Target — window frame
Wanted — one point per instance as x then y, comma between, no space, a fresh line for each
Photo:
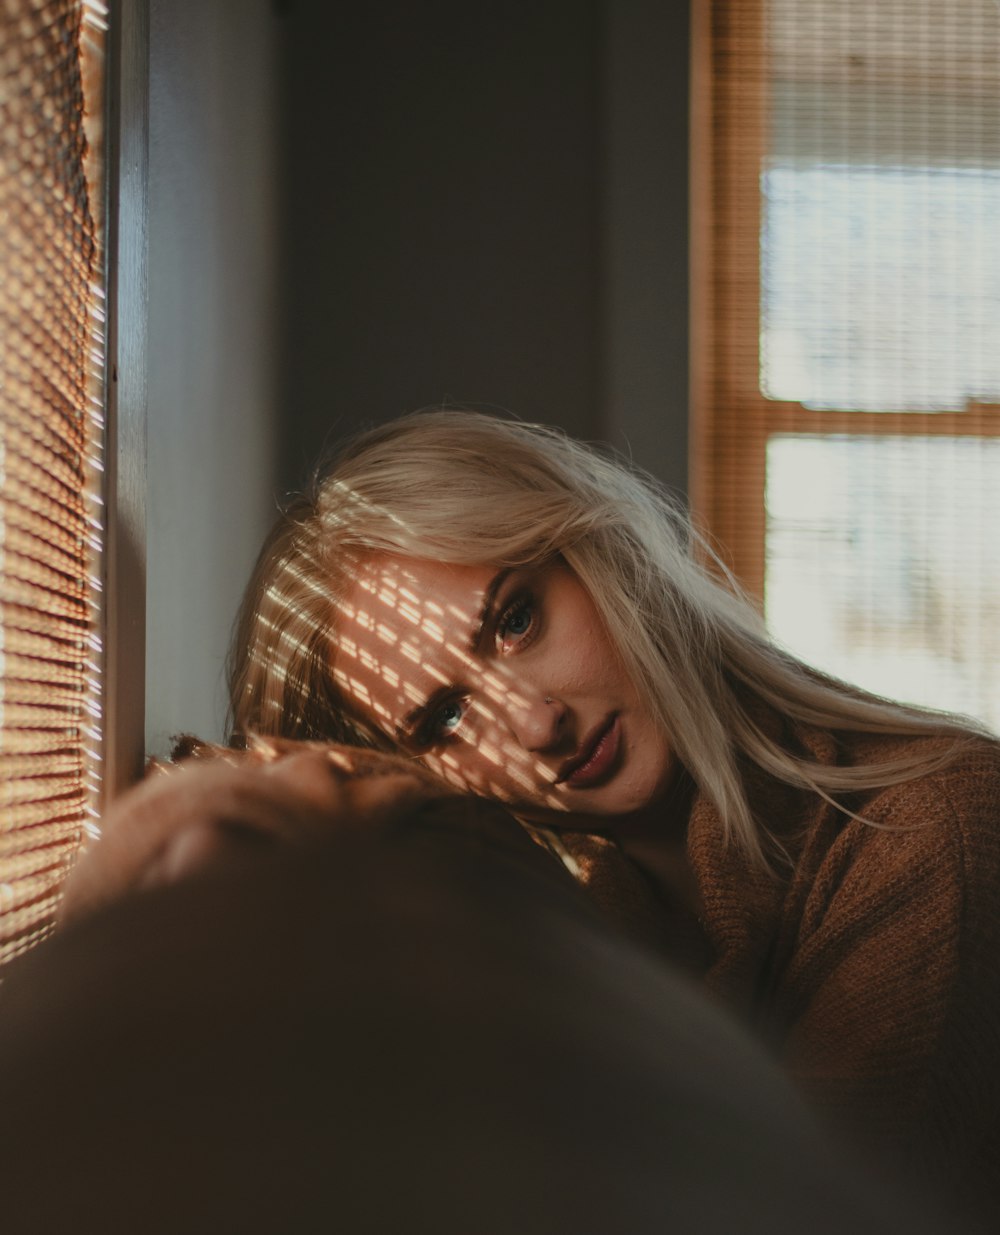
731,420
124,574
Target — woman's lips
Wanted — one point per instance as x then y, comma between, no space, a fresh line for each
596,758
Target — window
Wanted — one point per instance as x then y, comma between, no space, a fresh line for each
847,389
52,351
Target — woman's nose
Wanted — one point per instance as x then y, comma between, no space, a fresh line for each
537,722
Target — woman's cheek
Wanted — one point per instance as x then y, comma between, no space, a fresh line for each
467,768
447,766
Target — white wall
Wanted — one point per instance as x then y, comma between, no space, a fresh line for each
489,205
212,332
644,185
360,194
442,164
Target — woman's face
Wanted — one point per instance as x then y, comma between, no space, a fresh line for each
505,683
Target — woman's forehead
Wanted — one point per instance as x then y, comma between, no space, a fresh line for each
413,607
418,587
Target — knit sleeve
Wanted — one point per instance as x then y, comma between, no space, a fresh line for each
890,1002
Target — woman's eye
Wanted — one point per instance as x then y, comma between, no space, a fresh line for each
447,718
517,622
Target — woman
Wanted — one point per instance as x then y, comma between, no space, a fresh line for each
534,622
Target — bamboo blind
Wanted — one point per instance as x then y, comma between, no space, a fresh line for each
51,441
846,426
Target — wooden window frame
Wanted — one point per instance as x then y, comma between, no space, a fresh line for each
124,610
731,420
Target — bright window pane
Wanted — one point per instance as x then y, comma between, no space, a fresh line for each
881,287
880,249
883,563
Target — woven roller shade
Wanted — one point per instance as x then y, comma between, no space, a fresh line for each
847,419
51,440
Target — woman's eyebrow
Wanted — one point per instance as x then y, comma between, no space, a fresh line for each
489,599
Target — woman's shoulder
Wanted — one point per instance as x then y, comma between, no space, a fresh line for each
937,832
902,884
883,747
888,993
952,776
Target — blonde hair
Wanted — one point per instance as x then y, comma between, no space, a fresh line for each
469,488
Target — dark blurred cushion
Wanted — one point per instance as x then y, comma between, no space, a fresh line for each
426,1030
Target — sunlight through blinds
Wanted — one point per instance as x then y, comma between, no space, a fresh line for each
849,410
51,441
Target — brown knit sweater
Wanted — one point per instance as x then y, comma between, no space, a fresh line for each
871,967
